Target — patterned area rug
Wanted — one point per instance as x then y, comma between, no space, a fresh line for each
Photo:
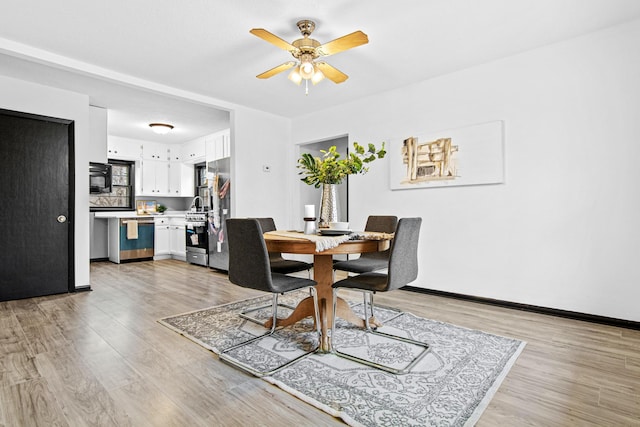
450,386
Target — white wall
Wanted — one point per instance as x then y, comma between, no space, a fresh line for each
259,139
563,231
32,98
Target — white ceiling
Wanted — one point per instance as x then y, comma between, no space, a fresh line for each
201,51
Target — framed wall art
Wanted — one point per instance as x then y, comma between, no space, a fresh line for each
471,155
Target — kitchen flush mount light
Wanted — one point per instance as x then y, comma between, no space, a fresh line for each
160,128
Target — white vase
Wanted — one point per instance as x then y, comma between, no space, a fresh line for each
328,205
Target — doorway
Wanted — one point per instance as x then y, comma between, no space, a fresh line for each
309,195
36,164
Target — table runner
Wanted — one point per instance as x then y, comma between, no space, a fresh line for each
327,242
322,242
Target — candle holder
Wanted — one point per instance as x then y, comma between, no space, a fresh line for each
310,225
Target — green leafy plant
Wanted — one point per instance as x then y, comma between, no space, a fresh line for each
161,208
330,168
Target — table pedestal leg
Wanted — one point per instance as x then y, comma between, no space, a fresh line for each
302,310
323,275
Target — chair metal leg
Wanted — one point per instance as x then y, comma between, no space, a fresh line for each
244,314
316,311
274,306
368,329
366,315
398,313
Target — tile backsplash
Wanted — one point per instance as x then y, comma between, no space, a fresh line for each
120,197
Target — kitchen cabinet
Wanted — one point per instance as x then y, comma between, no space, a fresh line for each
97,134
194,151
123,148
177,239
218,145
154,178
181,181
170,238
162,242
155,151
175,153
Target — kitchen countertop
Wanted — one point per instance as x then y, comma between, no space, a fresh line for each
133,214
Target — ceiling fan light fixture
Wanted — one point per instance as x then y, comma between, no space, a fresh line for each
295,76
306,67
318,76
160,128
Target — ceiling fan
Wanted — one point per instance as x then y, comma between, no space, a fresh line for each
306,51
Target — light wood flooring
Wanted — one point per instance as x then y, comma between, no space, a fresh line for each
100,358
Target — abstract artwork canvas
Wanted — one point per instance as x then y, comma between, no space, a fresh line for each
470,155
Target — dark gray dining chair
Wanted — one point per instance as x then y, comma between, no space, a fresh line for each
402,269
249,267
278,263
371,261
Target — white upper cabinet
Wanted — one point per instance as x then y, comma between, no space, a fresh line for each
175,153
155,167
97,134
123,148
154,178
194,151
181,179
218,145
155,151
164,173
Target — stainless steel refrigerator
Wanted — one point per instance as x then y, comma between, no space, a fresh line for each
218,178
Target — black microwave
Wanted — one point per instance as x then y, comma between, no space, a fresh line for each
99,178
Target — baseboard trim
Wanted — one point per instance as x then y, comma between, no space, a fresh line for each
603,320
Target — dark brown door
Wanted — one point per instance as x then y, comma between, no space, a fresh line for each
36,205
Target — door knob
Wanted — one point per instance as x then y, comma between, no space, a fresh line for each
61,219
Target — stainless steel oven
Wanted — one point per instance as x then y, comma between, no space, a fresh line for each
196,238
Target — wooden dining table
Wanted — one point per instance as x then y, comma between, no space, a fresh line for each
323,275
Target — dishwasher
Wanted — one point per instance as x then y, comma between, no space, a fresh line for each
136,238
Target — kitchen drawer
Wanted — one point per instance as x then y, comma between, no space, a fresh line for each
197,258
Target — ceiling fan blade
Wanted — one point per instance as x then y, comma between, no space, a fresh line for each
332,73
280,68
343,43
273,39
